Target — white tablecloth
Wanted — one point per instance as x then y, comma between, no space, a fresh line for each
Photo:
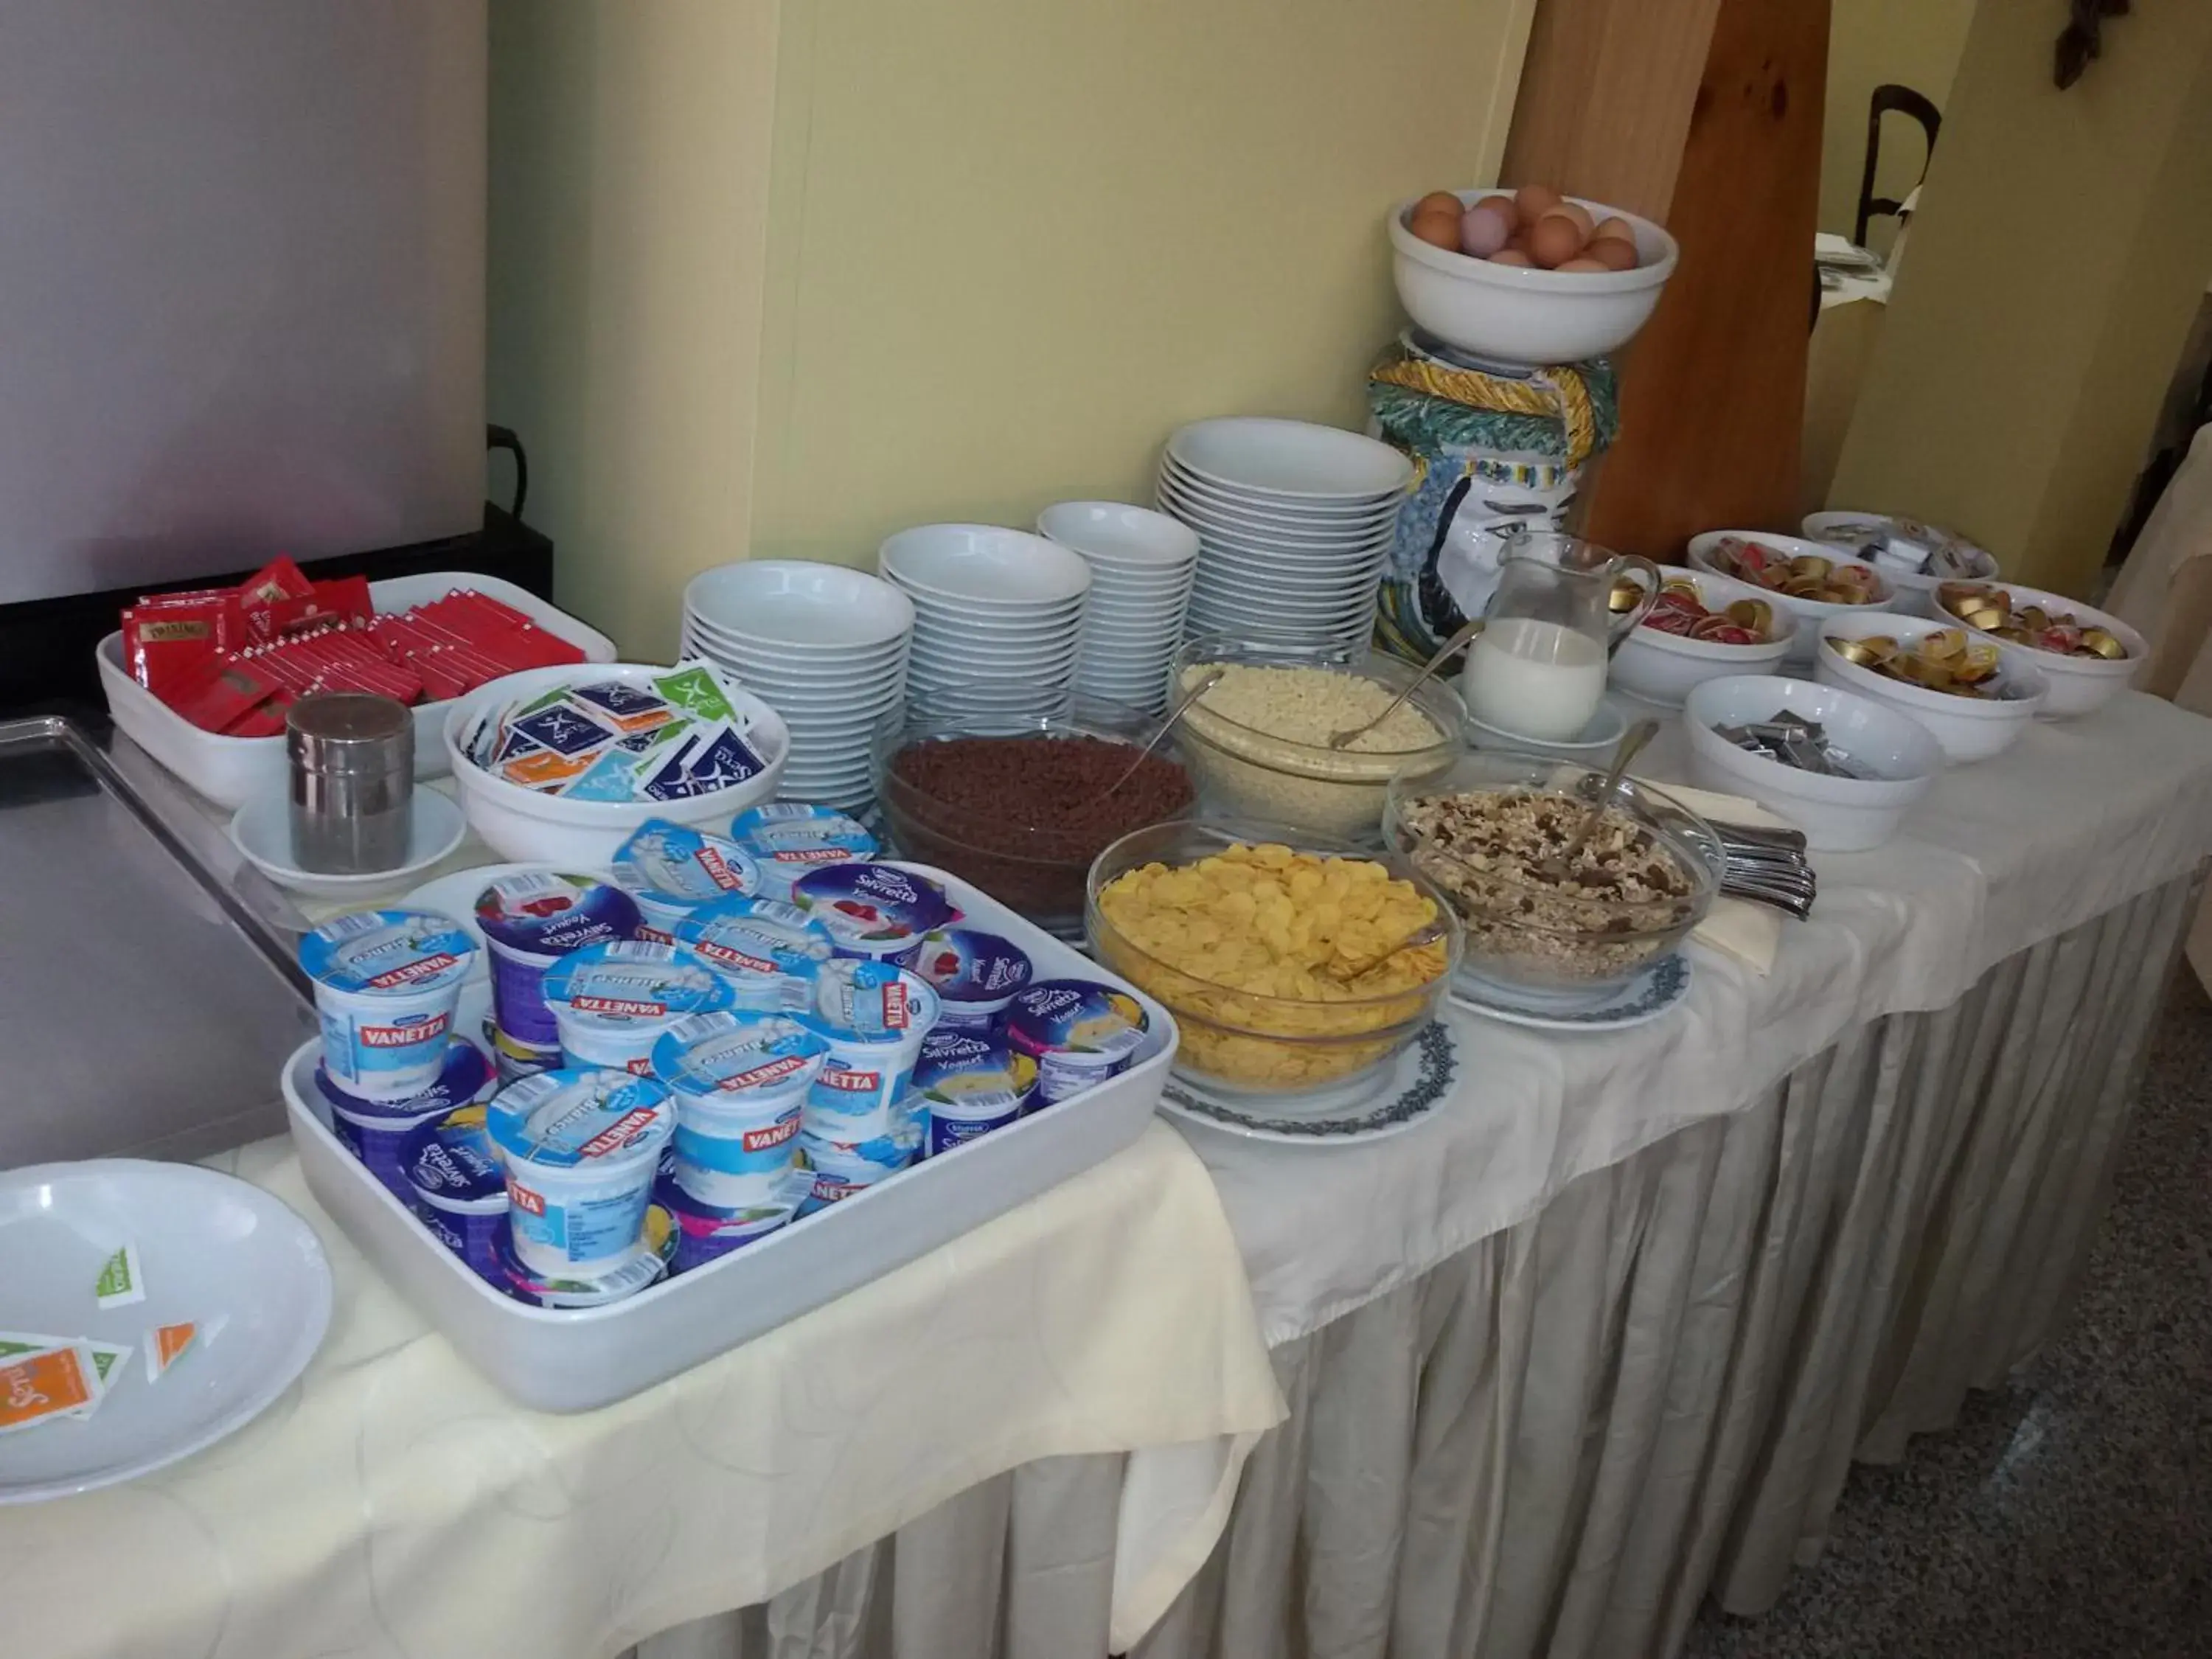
2077,818
393,1504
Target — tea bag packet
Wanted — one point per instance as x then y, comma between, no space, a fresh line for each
675,736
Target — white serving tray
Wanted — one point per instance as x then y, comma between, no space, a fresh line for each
231,770
576,1359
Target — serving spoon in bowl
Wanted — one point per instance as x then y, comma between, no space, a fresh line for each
1450,649
1558,866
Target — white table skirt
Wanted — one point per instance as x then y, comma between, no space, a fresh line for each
1557,1441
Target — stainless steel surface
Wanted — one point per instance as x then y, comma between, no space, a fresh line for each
241,286
145,1007
352,758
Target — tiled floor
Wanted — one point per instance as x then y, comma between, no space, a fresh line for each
2071,1514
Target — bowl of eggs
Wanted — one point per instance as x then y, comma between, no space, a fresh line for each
1527,278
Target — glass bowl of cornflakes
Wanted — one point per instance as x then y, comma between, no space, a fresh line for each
1297,967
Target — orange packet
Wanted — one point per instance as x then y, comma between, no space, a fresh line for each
165,1346
41,1385
536,771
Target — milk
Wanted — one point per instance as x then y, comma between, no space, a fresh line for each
1536,678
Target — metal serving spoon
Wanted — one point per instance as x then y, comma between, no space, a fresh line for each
1451,648
1197,688
1556,868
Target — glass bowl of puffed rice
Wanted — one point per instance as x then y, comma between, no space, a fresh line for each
1257,741
1297,967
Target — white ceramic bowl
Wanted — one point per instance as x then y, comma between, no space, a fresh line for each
1191,506
521,823
262,830
1296,461
1111,535
996,570
800,658
1664,668
799,603
1838,815
1519,314
1810,613
1916,594
1969,729
2079,685
1319,560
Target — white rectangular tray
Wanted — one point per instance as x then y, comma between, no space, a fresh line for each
230,770
575,1359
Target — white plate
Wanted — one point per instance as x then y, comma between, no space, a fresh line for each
262,830
1418,1082
1289,457
1647,997
213,1252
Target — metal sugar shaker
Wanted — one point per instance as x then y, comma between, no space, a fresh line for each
352,759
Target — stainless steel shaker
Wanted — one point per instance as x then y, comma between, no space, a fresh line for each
353,782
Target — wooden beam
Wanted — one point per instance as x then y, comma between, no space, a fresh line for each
1606,89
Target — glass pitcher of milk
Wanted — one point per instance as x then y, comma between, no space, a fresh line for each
1538,666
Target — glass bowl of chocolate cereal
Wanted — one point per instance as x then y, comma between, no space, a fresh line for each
1492,831
1017,789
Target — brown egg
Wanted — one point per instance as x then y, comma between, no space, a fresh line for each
1484,230
1440,228
1614,229
1554,240
1576,211
1502,201
1437,200
1510,256
1612,252
1534,200
1583,262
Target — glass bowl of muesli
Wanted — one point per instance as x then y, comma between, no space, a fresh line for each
1490,831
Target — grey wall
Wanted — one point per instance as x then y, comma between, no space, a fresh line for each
241,283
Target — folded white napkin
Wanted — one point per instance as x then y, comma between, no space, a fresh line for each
1750,933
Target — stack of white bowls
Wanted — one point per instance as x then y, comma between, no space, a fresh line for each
989,605
1294,523
823,646
1141,565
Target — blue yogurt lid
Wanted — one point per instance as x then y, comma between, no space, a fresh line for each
678,864
551,914
875,908
387,952
619,984
465,1074
722,1056
568,1118
857,999
964,964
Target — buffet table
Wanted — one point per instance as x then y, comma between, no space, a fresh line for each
1607,1331
1603,1331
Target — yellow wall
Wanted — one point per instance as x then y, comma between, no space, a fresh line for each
2023,359
630,176
1915,43
1013,244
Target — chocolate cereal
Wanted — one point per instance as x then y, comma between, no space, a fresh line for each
1022,817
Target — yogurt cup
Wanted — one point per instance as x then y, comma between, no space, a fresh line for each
517,1060
1079,1033
671,869
974,973
459,1187
768,950
581,1148
646,1264
703,1233
612,1001
533,919
787,839
873,1016
873,910
740,1084
969,1084
387,984
377,1132
840,1171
